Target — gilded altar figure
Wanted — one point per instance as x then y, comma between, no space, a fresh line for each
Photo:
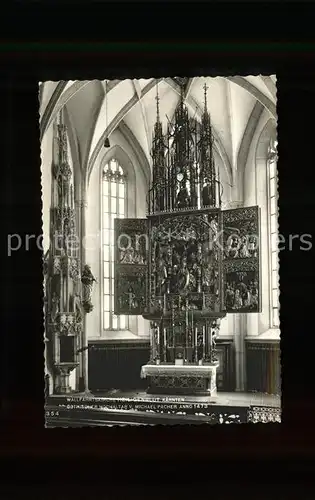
232,247
244,293
253,299
54,307
64,175
77,307
159,197
138,258
161,276
214,333
87,280
206,279
206,193
183,277
238,302
87,276
183,198
169,255
214,281
176,258
174,279
252,246
127,255
243,251
130,299
156,341
199,255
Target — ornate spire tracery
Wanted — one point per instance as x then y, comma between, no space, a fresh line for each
185,156
64,315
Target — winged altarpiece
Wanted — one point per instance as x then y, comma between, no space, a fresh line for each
188,263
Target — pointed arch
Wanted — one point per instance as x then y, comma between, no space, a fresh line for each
116,151
60,97
137,149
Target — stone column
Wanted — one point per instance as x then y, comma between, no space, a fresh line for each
239,340
78,225
64,373
243,326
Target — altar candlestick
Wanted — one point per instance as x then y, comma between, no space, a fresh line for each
164,335
151,344
186,324
196,344
67,291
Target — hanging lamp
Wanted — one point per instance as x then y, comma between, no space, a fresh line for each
106,142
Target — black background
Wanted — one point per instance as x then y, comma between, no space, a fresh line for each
276,40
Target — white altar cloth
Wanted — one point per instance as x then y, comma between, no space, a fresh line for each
205,371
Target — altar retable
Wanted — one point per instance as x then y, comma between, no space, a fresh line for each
191,262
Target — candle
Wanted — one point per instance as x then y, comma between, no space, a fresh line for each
196,344
164,347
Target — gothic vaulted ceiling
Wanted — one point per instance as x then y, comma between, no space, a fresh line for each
235,105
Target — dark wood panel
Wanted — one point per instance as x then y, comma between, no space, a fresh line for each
67,349
117,366
263,366
226,370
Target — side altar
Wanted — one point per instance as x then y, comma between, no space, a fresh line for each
188,263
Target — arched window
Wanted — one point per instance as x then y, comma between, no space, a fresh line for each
273,221
114,205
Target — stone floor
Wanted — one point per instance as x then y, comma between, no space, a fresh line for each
222,398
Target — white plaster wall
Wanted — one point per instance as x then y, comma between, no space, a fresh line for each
93,244
137,191
229,198
256,193
47,158
46,166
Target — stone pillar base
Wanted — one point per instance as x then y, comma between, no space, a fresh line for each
62,385
65,389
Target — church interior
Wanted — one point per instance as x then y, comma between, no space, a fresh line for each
155,288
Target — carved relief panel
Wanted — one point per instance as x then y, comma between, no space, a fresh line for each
185,260
131,265
241,260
